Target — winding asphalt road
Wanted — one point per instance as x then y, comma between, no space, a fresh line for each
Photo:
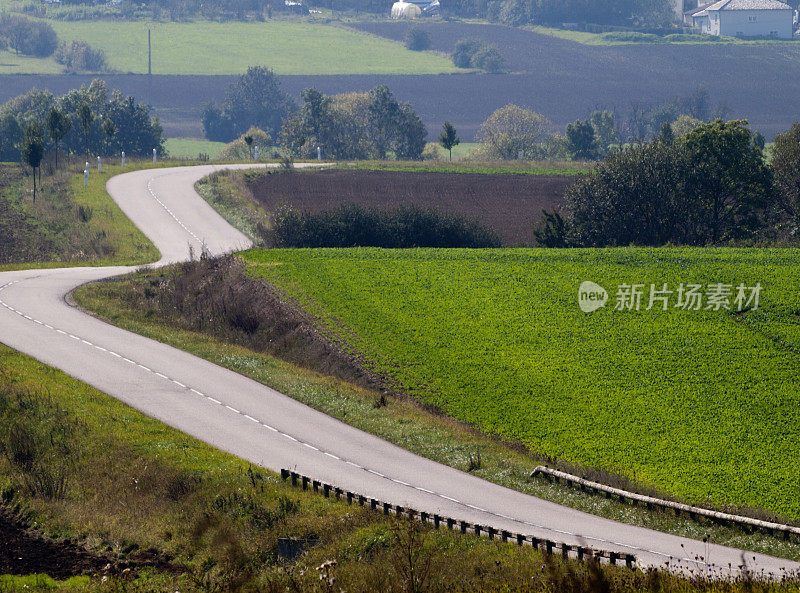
267,428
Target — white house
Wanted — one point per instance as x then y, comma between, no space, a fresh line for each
746,18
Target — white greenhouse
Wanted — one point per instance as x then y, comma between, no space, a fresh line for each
405,10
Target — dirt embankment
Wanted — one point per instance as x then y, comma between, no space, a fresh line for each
508,204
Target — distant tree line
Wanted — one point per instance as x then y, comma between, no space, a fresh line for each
88,120
648,13
711,185
372,125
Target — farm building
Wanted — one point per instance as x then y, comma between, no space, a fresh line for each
746,18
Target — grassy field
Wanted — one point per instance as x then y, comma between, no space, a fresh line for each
150,303
138,491
68,225
11,63
190,148
230,48
701,404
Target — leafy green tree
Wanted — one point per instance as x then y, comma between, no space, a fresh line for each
786,164
684,124
759,141
59,126
418,39
604,124
109,129
512,131
449,138
10,138
729,183
634,197
516,12
665,134
488,59
33,150
582,141
255,99
464,50
86,118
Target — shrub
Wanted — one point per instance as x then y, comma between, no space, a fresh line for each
79,56
431,152
354,226
418,39
464,50
240,149
488,59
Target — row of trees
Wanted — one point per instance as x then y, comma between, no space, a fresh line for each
648,13
348,126
709,186
88,120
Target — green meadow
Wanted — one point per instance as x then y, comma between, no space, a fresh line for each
703,404
288,47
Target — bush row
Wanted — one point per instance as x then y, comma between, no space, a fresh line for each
402,227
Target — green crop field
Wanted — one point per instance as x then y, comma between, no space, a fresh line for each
703,404
287,47
189,148
11,63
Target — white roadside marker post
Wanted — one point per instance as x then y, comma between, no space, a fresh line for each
319,153
155,156
123,158
255,154
99,165
86,177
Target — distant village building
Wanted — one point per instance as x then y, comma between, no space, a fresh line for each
746,18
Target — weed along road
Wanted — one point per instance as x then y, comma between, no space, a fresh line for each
267,428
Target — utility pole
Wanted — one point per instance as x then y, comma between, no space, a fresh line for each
149,70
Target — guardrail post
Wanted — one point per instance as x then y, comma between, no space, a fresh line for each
504,535
520,539
492,532
284,474
349,497
565,548
423,517
304,481
386,508
294,478
630,560
436,519
338,492
464,526
477,528
398,511
361,500
451,523
548,546
315,485
613,557
580,551
373,504
326,490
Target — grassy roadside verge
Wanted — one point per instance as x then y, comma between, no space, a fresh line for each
191,518
399,421
75,225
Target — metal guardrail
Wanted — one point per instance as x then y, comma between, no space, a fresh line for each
546,545
650,502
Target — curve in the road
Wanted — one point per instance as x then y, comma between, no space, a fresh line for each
256,423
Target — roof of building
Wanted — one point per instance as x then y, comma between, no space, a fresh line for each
745,5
